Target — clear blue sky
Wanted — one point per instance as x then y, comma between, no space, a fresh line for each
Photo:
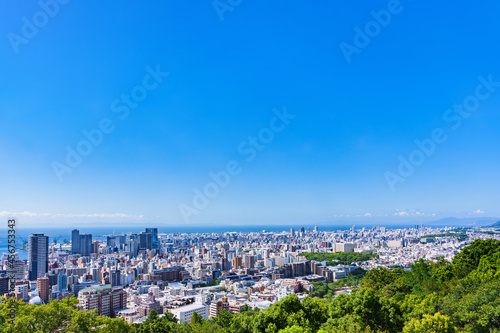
329,163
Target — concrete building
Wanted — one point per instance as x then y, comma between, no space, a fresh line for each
22,290
237,262
184,313
343,247
147,305
145,241
85,244
42,284
249,261
62,282
38,256
105,299
217,306
154,237
75,241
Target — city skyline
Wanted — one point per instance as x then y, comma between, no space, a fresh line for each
189,115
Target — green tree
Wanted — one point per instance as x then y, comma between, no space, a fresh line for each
196,319
437,323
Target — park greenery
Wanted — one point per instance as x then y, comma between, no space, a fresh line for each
327,290
339,258
460,235
439,297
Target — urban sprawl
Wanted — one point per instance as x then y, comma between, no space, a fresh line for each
129,275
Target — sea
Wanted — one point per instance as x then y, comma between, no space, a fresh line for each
99,233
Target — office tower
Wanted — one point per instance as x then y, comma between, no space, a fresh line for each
75,241
42,284
95,273
302,230
111,241
237,262
52,279
85,245
62,281
154,237
316,229
114,277
38,260
95,247
249,261
145,239
132,245
4,284
120,239
292,232
224,264
230,255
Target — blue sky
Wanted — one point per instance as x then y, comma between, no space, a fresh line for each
353,116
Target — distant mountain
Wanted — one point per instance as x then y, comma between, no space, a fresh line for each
463,222
496,225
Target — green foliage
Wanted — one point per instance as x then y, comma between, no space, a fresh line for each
339,258
460,235
435,324
57,315
196,319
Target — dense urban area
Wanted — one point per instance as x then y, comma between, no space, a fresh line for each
416,279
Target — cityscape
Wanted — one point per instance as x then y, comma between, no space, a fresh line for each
230,166
129,275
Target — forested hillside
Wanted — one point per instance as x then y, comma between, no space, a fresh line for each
463,296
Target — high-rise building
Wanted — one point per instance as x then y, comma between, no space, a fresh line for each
154,237
85,245
95,247
114,277
302,230
75,241
62,281
111,241
132,245
249,261
292,232
237,262
38,256
4,284
146,240
42,284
